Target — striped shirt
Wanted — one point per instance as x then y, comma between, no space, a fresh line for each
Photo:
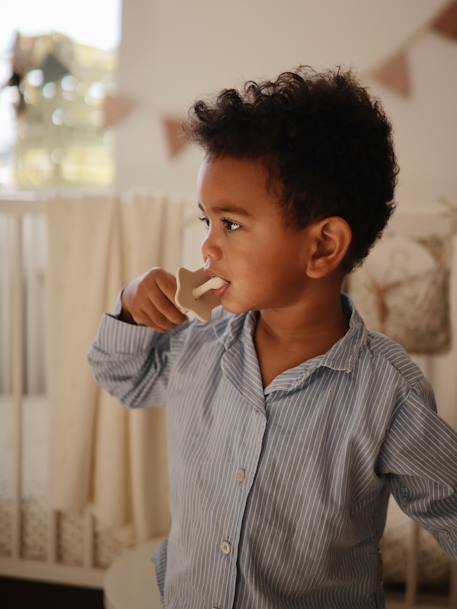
279,494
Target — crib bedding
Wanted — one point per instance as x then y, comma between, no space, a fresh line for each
433,564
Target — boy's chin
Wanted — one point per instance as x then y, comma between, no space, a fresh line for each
237,309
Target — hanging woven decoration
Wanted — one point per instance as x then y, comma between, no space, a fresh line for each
402,288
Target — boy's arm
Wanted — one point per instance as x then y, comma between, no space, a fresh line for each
419,459
132,361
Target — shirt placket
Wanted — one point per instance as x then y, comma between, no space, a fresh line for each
241,370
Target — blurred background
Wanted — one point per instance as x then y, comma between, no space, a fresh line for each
97,183
91,90
56,68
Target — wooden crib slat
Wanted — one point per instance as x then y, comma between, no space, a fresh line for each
17,384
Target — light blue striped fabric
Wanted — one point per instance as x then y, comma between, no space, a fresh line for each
279,495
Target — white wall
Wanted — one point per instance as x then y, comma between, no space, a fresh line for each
175,51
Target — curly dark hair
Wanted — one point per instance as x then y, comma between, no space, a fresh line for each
326,145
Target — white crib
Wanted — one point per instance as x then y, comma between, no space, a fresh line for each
37,542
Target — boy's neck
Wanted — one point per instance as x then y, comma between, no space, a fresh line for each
313,326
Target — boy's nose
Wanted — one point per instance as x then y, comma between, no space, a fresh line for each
210,248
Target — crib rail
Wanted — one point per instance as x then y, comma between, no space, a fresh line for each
17,207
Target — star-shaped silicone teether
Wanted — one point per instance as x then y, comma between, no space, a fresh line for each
194,292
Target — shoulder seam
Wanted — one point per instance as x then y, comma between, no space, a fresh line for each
409,384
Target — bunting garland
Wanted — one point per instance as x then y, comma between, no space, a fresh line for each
175,136
115,109
394,72
446,22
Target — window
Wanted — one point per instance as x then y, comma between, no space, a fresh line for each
57,66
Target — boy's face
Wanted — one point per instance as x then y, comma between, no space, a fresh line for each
262,258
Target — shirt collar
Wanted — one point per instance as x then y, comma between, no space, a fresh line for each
341,356
344,354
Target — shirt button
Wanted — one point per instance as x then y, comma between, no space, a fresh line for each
226,547
240,475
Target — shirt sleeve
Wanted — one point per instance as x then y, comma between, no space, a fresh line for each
132,363
419,460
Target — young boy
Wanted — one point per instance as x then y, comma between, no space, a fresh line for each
289,423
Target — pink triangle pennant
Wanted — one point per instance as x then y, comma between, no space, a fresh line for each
115,109
176,138
446,21
394,74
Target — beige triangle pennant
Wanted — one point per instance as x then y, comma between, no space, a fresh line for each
446,21
176,138
394,74
115,109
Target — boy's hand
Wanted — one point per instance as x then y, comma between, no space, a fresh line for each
149,300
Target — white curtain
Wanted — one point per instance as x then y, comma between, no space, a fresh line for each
34,295
103,456
5,304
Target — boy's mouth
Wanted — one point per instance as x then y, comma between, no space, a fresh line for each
213,274
219,291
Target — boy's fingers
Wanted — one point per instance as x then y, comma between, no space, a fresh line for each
167,283
168,309
155,320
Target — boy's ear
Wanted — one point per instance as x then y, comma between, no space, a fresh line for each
329,242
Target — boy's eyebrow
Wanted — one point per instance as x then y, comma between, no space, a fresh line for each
228,209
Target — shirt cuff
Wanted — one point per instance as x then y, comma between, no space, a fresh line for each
117,309
114,335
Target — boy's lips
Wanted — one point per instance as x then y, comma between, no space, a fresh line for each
219,291
213,274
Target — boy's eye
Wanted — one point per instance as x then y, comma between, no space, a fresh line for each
229,224
204,219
